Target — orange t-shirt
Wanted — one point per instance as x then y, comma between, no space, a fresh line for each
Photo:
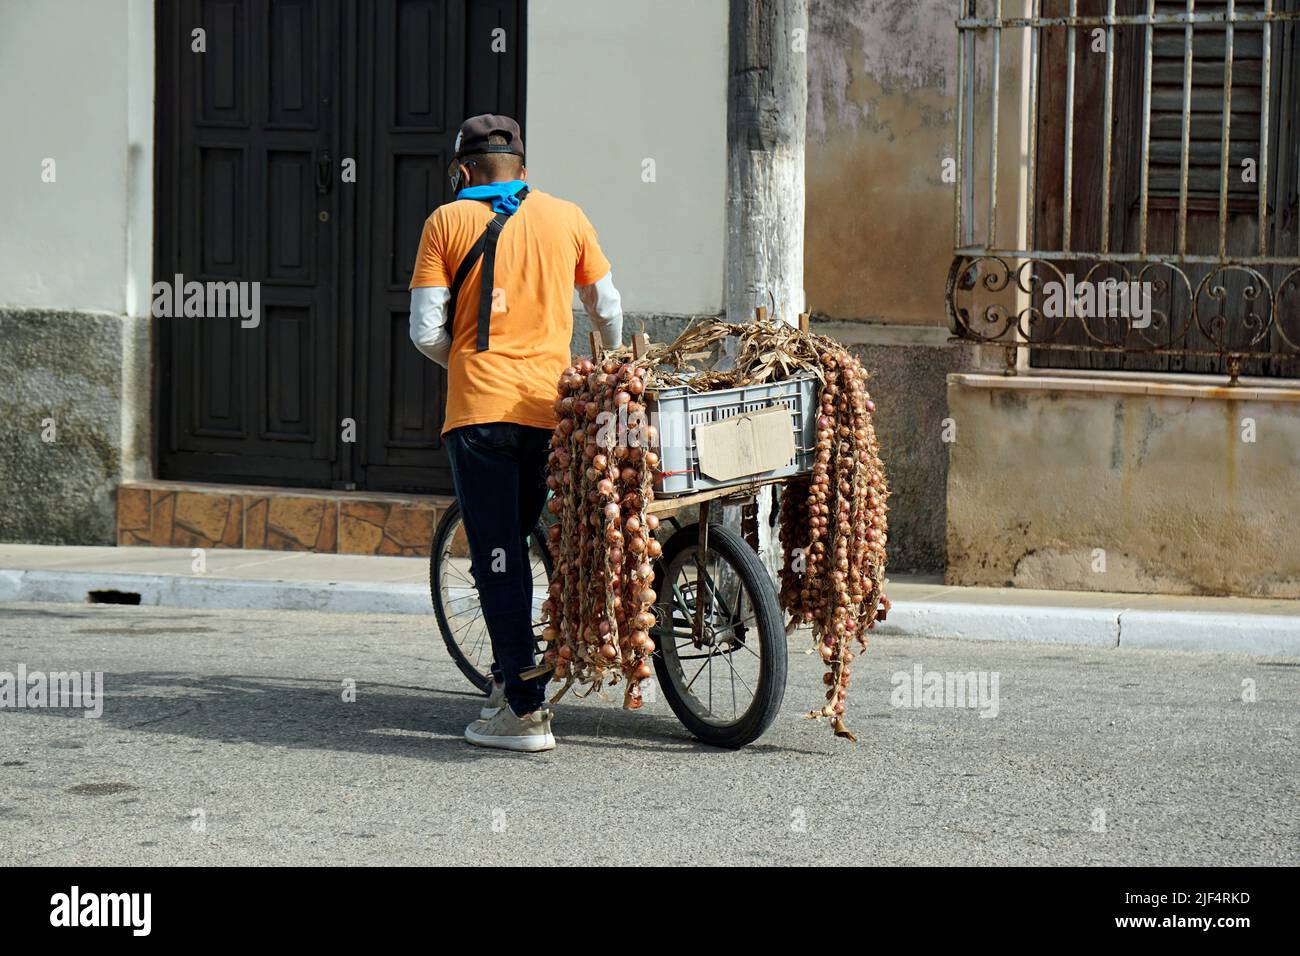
546,248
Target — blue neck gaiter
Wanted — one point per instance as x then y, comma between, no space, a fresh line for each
503,196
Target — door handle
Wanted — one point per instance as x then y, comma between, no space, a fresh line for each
324,172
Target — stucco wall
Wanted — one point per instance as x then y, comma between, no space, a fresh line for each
1110,490
61,454
74,261
882,118
78,81
881,100
605,93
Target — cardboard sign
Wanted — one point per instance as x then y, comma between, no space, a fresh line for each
747,444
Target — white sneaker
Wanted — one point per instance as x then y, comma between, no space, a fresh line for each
496,700
504,731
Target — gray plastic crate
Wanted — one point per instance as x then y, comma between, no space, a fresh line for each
676,411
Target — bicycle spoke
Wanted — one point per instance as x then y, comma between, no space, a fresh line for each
727,658
709,588
740,606
447,566
715,594
710,662
477,615
460,606
679,599
463,624
463,627
691,683
478,644
735,674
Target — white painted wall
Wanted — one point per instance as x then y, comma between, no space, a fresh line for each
611,84
77,77
608,87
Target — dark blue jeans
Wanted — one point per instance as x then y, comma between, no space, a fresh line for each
499,471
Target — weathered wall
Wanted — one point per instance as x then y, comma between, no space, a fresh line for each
611,86
907,385
878,233
1044,481
74,261
882,98
60,413
881,101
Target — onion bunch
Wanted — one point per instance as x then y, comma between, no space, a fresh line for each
599,610
834,531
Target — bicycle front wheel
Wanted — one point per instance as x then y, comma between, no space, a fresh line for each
722,665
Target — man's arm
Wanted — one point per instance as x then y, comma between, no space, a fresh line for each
605,309
430,293
430,330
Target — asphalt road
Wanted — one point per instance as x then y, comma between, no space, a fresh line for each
224,739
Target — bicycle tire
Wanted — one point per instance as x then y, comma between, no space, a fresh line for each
447,525
745,563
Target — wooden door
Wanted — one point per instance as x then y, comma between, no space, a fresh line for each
431,64
302,148
245,194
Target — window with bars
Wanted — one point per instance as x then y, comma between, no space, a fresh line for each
1206,108
1162,150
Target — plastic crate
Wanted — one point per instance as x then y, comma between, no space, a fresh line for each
676,411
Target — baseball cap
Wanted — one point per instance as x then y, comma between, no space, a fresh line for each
474,133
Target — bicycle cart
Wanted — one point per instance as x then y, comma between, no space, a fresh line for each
720,655
720,644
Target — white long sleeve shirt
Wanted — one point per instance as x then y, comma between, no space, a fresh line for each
431,326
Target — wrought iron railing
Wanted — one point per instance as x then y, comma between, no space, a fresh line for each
1209,233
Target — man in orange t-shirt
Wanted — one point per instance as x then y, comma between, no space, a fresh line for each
491,301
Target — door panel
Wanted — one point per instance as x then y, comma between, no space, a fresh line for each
251,134
243,403
418,100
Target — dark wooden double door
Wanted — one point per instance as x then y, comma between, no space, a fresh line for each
302,149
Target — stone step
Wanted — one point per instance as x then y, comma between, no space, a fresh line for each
179,514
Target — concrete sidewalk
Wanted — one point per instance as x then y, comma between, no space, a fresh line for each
256,580
923,607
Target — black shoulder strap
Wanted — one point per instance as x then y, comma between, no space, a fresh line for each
486,249
475,253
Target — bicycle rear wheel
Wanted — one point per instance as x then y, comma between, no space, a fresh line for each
455,598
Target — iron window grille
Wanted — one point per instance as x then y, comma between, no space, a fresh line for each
1165,156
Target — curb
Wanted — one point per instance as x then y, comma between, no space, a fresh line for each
1250,634
1091,627
1260,634
210,593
